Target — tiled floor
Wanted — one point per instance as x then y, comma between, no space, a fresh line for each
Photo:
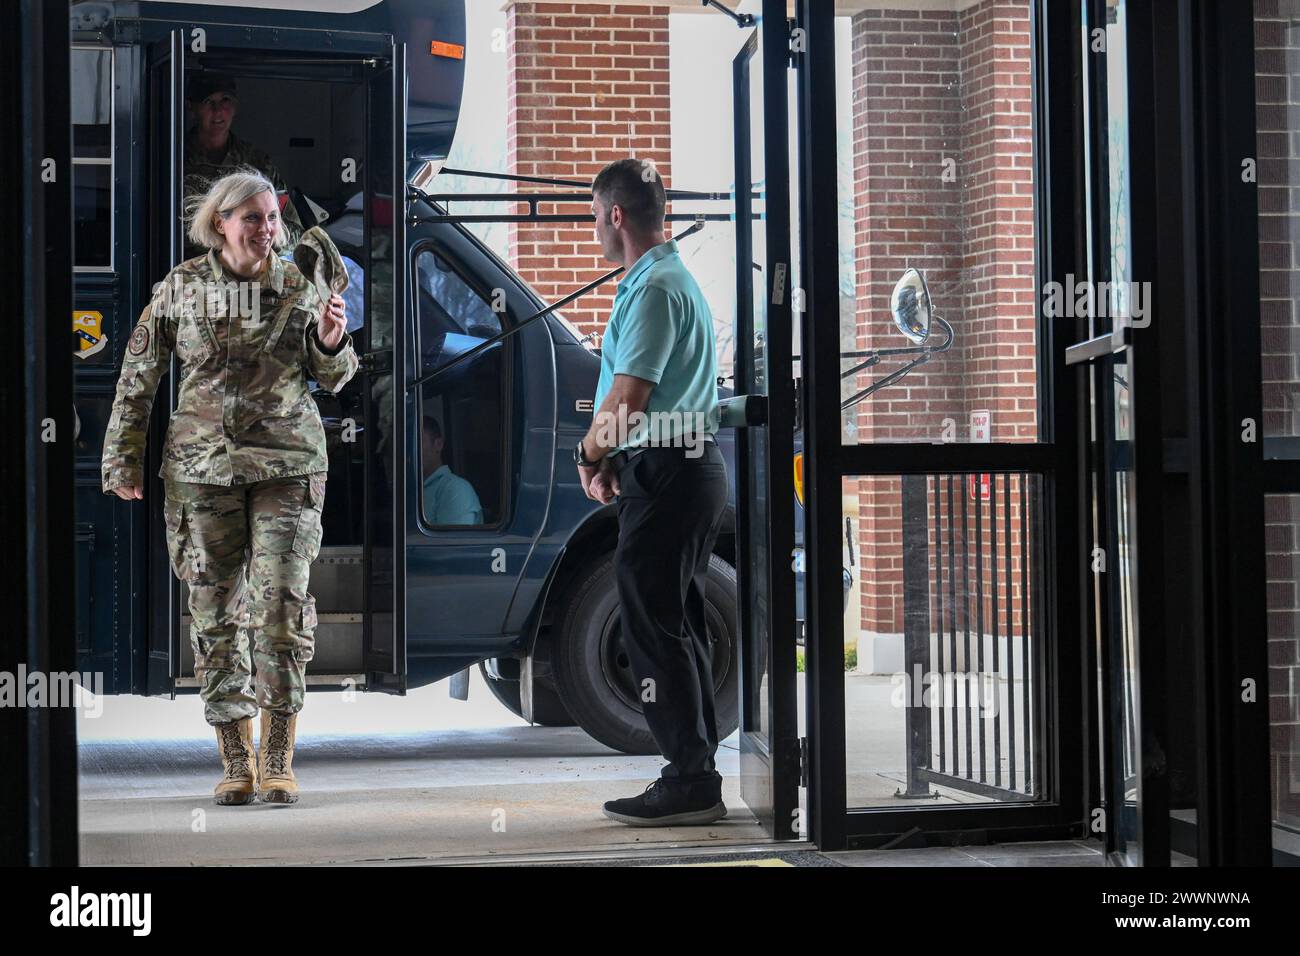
1055,853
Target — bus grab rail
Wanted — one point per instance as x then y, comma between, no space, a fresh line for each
500,337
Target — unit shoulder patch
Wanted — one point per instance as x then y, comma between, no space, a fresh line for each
138,345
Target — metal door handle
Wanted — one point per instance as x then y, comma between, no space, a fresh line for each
743,411
1097,347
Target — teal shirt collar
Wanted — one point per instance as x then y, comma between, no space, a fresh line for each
648,258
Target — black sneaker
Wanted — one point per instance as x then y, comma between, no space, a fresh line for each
665,804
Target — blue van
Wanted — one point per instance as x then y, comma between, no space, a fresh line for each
358,111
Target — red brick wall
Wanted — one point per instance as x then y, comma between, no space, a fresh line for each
1277,68
996,173
1277,89
907,120
929,87
1282,550
588,84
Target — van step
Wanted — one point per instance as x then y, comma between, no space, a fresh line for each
323,617
317,680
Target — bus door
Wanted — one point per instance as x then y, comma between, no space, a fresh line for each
164,105
386,362
344,164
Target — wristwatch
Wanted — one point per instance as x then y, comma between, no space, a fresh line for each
580,457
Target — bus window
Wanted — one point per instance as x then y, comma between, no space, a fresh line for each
452,307
92,160
461,412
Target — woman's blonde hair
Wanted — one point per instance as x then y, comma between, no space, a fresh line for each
223,197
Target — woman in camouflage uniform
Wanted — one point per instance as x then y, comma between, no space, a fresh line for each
243,466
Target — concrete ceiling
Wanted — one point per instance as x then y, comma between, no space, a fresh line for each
842,7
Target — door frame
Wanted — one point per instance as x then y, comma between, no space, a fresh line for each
38,758
1056,50
384,648
769,764
165,49
1201,584
164,59
1141,455
1218,275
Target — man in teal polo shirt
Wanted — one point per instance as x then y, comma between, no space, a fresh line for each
651,448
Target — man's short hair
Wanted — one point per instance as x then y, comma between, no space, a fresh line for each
635,186
432,427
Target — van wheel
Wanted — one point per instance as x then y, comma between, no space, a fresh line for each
547,709
594,675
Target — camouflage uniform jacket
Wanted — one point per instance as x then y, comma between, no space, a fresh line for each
243,411
202,170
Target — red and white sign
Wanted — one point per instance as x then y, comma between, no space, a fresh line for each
981,427
985,486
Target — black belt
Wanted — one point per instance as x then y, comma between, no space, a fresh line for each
619,459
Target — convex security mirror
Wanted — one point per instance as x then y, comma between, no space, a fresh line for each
913,313
910,305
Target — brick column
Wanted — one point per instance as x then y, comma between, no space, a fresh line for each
907,116
1277,95
943,181
996,172
588,84
906,123
1277,89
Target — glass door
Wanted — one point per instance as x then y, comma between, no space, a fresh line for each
939,428
769,743
1110,359
385,361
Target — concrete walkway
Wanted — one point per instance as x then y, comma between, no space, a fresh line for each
426,777
376,787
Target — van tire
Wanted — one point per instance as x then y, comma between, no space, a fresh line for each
548,711
592,673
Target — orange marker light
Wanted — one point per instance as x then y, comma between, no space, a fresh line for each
453,51
798,478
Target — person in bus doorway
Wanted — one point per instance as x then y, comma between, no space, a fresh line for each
448,498
212,149
243,467
659,369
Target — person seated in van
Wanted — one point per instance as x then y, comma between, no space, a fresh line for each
448,498
212,149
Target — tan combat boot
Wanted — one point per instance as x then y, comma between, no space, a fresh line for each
238,784
275,758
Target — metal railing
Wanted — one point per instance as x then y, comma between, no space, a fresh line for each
971,602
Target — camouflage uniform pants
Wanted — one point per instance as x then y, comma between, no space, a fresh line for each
246,551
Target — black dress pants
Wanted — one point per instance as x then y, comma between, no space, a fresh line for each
670,510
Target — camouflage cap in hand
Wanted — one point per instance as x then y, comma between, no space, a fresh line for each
318,259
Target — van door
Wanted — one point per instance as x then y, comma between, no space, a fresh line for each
365,639
166,108
384,363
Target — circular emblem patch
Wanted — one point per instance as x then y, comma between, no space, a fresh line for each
139,340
